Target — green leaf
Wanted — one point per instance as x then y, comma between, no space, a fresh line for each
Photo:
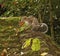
27,43
35,44
22,29
25,26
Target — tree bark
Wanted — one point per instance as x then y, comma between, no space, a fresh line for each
51,20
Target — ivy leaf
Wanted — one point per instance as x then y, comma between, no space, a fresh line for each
35,44
27,43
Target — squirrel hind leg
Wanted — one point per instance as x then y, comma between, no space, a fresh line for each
43,28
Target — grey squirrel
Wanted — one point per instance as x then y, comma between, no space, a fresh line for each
33,22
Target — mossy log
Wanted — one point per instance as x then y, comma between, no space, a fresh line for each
9,30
